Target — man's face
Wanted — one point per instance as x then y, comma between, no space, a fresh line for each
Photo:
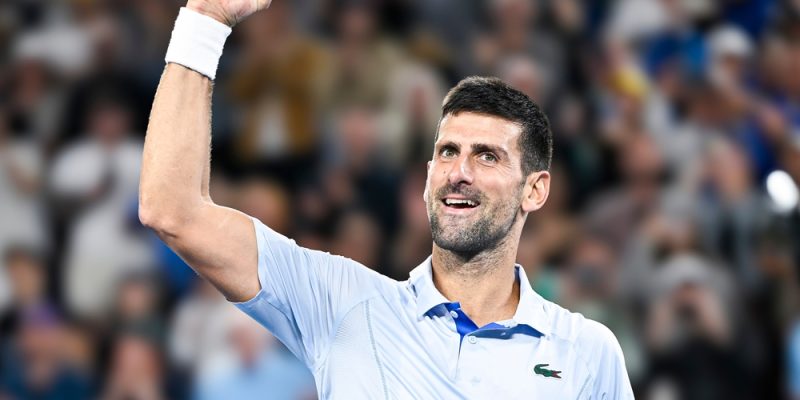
475,183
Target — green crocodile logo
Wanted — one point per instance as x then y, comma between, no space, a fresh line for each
540,369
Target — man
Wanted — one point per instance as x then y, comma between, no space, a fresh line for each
465,325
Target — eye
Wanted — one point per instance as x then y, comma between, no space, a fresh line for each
488,157
447,152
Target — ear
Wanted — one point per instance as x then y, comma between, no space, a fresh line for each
537,188
425,193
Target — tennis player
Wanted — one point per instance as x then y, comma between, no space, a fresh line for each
466,324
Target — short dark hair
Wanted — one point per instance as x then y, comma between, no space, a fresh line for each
492,96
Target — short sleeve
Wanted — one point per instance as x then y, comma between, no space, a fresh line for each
611,377
304,293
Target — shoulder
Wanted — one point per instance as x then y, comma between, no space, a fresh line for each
594,347
285,255
582,334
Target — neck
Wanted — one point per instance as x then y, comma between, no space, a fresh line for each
484,283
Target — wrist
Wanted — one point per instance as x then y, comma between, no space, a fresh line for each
197,42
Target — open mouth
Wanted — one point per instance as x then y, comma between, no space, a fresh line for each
460,203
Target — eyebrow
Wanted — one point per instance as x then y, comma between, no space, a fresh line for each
476,148
448,144
482,148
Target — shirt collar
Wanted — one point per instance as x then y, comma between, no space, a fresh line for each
530,311
428,297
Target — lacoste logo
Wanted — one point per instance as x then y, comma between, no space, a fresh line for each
540,369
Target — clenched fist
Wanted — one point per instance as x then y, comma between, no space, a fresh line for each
229,12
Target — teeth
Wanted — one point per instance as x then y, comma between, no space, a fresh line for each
452,202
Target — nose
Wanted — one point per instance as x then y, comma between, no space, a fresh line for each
460,171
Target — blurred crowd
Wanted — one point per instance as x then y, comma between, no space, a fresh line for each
673,217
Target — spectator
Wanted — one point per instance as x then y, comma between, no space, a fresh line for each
199,328
257,367
27,275
36,366
137,368
733,211
412,244
358,237
276,84
137,305
21,206
690,328
96,181
514,29
617,214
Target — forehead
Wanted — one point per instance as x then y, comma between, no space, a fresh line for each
468,127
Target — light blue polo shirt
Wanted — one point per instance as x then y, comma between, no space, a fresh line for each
366,336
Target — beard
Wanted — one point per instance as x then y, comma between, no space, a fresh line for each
467,238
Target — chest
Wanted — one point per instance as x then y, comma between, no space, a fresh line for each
378,352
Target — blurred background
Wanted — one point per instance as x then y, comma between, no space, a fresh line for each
673,217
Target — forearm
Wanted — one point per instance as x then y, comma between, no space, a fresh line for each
217,242
175,165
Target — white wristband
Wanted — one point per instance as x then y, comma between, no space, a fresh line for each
197,42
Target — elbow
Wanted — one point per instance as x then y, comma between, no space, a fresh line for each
153,218
167,215
166,224
147,216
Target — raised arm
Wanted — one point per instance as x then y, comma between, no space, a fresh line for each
217,242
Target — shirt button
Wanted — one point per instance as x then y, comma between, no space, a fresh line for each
453,314
472,339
